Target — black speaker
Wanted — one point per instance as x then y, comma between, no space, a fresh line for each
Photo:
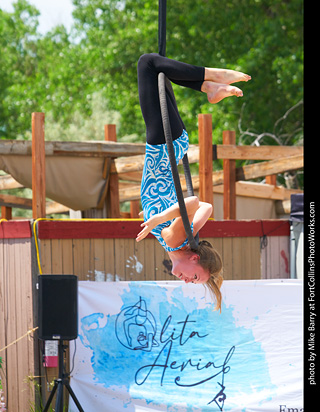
58,307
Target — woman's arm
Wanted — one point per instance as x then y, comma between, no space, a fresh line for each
201,216
173,212
174,235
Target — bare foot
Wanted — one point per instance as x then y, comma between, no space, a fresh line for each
218,91
225,76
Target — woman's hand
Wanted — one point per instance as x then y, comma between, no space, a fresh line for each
148,226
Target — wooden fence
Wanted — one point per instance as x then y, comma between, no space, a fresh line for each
104,251
124,163
108,249
17,316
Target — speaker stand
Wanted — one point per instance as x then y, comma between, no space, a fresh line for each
63,380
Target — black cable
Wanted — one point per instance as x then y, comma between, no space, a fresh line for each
163,82
162,27
264,237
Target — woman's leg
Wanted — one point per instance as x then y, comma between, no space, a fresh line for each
214,82
217,83
149,66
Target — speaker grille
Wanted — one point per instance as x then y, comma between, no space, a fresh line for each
58,307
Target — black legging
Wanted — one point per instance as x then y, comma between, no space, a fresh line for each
183,74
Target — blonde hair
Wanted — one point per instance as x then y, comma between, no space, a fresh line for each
210,260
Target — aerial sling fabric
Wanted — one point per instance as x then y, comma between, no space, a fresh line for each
163,83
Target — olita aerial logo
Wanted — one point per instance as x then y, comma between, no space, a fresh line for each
169,347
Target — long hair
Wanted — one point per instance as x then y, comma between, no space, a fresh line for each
210,260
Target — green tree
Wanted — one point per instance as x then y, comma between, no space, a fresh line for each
261,37
39,73
58,73
18,30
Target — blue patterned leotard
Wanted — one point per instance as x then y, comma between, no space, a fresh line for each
157,186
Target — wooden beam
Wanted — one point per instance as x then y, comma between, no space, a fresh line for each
246,189
11,201
113,203
271,167
6,212
248,172
131,176
229,179
271,180
205,158
15,201
134,209
118,149
262,169
54,207
128,164
74,149
234,152
106,176
8,182
111,229
283,207
260,191
193,153
135,163
38,167
131,191
110,133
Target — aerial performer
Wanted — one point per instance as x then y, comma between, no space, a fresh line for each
160,206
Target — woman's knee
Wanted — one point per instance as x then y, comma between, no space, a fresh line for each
145,60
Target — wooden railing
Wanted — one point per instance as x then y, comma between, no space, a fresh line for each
124,162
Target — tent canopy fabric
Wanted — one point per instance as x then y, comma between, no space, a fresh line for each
73,169
75,182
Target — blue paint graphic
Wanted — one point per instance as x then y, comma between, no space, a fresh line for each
174,353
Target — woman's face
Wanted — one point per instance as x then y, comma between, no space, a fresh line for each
189,270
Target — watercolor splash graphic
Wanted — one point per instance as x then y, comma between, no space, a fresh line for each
167,350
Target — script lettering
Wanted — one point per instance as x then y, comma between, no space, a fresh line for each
136,330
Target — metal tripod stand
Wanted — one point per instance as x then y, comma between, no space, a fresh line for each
63,380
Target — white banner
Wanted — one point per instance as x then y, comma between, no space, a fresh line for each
160,346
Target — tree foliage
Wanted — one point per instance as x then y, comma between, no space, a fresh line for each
58,73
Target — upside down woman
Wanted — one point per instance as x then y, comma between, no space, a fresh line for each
159,201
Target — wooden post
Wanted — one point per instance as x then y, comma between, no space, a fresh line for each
6,212
271,180
110,133
205,158
134,209
113,203
229,180
38,167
